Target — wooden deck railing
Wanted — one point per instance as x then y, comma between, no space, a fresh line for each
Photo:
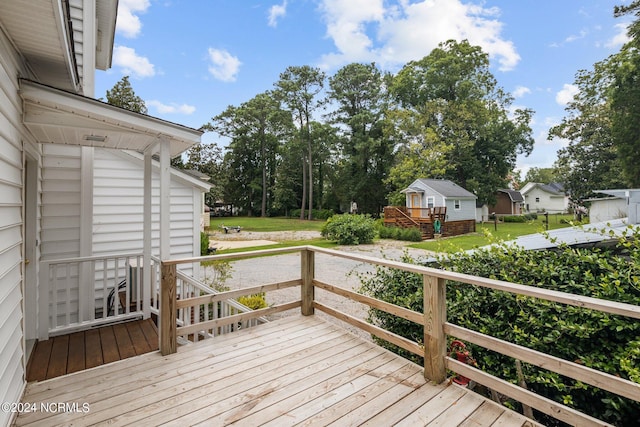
433,320
188,315
83,292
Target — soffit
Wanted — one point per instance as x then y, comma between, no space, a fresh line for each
39,30
55,116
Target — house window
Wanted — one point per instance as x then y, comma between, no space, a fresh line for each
456,205
537,199
431,202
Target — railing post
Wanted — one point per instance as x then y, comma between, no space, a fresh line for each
307,267
435,315
168,321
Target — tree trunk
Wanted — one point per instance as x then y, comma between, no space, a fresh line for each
304,186
263,207
310,183
310,165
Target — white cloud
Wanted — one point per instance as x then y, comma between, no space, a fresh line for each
364,30
128,23
277,11
521,91
565,95
131,63
172,108
224,66
620,38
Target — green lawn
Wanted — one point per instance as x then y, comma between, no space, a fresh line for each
267,224
486,234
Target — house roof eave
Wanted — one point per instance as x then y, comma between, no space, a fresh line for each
56,116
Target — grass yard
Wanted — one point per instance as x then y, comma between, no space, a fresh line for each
486,234
267,224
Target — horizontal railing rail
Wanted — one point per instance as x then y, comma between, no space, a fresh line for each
436,328
207,310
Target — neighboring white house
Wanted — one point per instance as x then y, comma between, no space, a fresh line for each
430,193
66,189
623,203
605,209
544,197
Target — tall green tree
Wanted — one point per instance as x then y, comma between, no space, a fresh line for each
624,98
122,95
257,128
451,112
359,92
543,175
300,88
207,159
590,160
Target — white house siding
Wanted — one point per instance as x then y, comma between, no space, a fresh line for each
61,215
118,210
546,201
11,229
607,209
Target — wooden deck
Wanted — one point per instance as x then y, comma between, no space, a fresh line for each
293,371
75,352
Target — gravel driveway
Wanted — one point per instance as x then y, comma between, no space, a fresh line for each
337,271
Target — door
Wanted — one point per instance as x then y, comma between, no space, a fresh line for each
415,205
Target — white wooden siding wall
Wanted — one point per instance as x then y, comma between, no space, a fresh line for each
11,184
61,214
118,209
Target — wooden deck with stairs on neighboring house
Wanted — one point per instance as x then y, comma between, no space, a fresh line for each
298,370
421,218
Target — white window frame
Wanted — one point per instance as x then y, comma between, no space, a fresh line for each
431,202
457,204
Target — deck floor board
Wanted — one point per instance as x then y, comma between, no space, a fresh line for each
66,354
298,370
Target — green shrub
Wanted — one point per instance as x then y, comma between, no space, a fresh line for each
410,234
514,218
387,232
531,216
204,243
254,302
601,341
349,229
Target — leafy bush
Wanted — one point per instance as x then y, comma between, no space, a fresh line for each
605,342
412,234
216,274
254,302
514,218
204,243
531,216
349,229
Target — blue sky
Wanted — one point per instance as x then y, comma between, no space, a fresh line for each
190,59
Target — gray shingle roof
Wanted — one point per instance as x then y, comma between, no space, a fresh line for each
447,188
514,195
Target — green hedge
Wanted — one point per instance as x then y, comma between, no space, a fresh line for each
412,234
605,342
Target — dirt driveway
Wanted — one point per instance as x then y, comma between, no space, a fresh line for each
336,271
